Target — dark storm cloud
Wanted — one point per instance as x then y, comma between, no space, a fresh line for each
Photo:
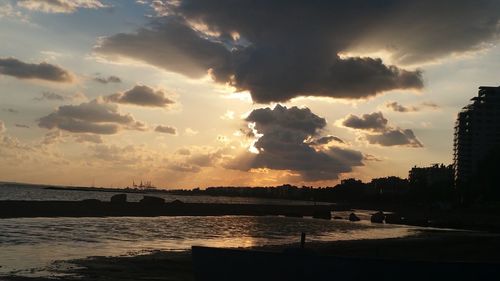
283,145
143,96
283,49
91,117
294,118
21,126
374,121
166,130
43,71
107,80
171,45
412,108
377,131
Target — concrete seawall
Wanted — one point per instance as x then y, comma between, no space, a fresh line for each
94,208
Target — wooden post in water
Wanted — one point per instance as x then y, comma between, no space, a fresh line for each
302,240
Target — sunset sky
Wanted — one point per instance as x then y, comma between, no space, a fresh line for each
189,93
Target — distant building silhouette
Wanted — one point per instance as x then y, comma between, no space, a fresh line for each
432,183
477,135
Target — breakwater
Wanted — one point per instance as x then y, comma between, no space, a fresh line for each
96,208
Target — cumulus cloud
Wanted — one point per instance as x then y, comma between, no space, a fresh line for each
282,145
143,96
395,136
2,127
395,106
43,71
166,130
60,6
374,121
107,80
8,11
95,117
307,49
377,131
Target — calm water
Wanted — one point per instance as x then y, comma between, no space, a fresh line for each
36,242
38,193
30,243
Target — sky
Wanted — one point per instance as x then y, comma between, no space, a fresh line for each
198,93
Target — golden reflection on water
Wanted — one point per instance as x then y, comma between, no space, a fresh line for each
35,242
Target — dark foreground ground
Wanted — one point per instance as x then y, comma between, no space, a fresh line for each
428,246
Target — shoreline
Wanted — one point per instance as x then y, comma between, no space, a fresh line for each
438,246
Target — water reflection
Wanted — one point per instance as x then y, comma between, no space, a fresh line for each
35,242
39,193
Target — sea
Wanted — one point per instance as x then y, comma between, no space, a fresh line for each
30,245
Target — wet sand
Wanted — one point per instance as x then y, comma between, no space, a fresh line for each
432,245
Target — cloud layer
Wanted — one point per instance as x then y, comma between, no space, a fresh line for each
59,6
43,71
412,108
143,96
107,80
377,131
95,117
306,49
282,134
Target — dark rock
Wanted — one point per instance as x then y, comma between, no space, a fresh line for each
353,217
322,214
378,217
119,198
152,200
